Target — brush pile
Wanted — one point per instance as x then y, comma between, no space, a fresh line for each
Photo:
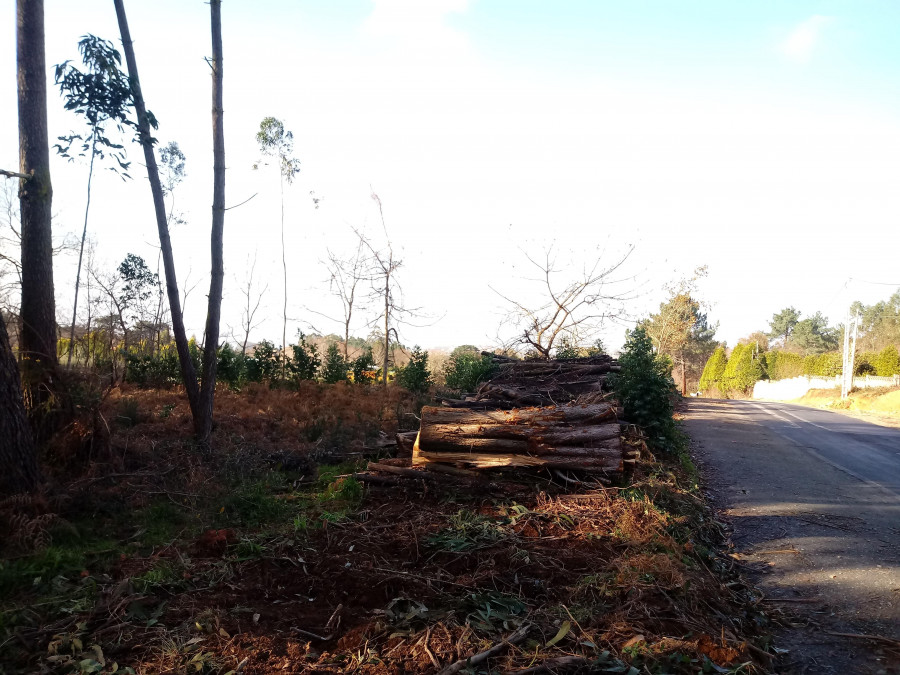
530,414
518,384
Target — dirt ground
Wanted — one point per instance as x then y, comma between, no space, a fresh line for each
253,558
821,544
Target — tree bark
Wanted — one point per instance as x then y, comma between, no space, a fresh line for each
188,373
498,460
38,311
17,456
203,423
387,315
576,437
550,416
284,345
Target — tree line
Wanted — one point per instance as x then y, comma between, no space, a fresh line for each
795,346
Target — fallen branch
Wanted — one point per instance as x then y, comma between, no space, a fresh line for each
552,665
402,471
474,660
421,577
377,480
434,661
864,636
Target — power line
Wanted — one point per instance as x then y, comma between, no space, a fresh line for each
874,283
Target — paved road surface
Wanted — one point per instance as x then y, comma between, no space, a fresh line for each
814,500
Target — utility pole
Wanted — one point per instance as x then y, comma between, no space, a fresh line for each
851,332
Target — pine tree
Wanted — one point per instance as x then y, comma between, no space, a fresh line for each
415,375
335,368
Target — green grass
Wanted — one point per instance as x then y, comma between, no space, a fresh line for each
467,531
163,574
59,562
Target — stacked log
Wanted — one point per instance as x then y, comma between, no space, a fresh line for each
538,383
584,437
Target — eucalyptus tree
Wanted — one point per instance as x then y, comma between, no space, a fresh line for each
101,94
278,144
200,396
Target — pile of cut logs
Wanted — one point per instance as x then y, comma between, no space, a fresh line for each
529,383
549,414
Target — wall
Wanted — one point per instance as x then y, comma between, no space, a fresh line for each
795,387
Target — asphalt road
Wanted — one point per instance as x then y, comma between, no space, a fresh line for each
814,501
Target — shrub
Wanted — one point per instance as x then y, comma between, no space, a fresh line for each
466,370
645,388
415,375
781,365
334,369
231,367
828,364
363,367
887,362
865,363
153,371
196,354
713,370
567,349
742,370
304,362
265,363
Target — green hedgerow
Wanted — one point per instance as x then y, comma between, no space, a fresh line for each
713,370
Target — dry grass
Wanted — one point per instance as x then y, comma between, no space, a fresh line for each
220,558
881,404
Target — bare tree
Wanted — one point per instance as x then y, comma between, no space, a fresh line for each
11,248
384,286
346,275
575,306
38,307
252,299
383,266
276,142
173,161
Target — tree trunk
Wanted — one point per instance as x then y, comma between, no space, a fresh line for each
17,456
549,417
387,332
188,373
203,423
284,272
38,310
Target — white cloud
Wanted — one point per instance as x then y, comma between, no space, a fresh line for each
800,44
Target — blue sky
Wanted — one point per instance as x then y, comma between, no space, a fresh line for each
761,139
